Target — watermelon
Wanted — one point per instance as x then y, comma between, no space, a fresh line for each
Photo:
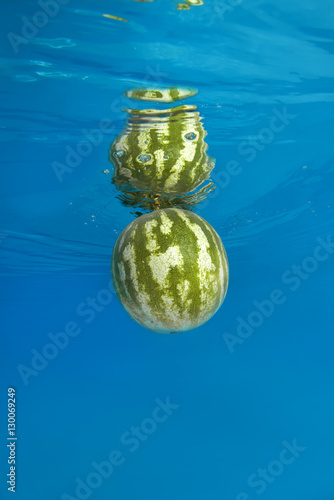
162,151
170,270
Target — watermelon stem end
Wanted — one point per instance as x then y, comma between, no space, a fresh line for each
156,203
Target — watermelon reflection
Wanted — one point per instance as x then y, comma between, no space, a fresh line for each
162,153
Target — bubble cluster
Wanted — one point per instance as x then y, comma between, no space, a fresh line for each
144,158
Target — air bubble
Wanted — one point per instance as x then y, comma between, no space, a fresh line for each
119,153
144,158
190,136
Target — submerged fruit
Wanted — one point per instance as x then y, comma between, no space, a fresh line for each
170,270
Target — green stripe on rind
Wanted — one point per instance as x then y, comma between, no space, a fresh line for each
155,270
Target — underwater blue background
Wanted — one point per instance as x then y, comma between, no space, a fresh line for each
264,73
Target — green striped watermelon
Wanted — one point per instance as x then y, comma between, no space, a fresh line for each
162,151
170,270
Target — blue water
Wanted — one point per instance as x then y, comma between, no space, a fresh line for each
252,406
